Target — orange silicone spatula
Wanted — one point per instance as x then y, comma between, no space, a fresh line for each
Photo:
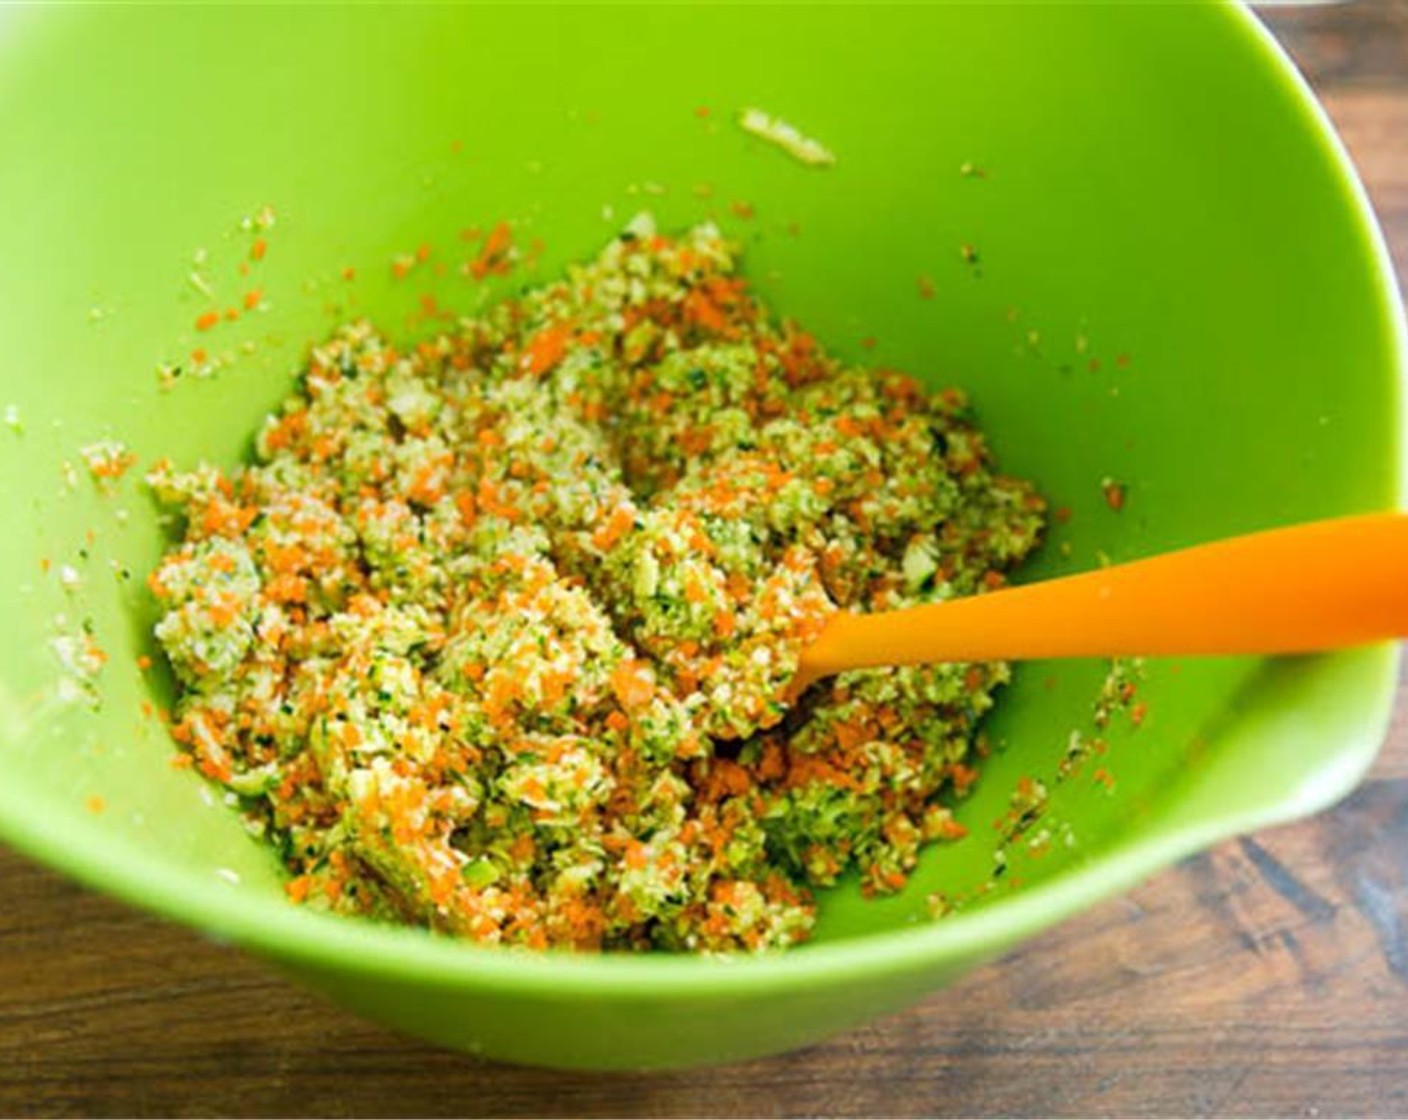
1309,587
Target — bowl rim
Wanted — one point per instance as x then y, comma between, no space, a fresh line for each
120,868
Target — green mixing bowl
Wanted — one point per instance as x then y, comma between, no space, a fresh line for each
1178,285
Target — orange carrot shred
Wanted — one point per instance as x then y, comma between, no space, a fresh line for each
633,683
546,348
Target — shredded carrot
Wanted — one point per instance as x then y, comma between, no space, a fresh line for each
464,503
633,683
617,525
287,588
701,310
298,888
962,776
546,348
493,257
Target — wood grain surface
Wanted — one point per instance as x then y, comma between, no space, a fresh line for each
1267,977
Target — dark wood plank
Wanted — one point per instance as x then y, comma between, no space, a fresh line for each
1356,56
1374,125
1360,45
1268,977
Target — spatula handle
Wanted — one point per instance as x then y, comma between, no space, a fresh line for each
1317,586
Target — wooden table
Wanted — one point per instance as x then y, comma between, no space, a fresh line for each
1267,977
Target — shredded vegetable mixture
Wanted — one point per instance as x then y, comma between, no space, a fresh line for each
493,635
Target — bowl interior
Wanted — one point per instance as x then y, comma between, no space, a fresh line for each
1174,288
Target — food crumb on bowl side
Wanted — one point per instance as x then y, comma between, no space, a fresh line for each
788,137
